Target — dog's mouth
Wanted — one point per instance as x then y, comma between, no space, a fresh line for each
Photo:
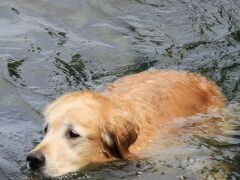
45,174
38,174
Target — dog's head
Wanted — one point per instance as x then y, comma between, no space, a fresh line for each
83,128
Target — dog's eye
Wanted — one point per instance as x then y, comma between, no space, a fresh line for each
72,134
45,129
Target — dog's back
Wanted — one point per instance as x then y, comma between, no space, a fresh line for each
170,93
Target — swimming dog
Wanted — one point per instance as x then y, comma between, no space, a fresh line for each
119,121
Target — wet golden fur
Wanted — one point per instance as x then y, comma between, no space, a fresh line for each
121,120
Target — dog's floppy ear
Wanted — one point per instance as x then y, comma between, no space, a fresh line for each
118,134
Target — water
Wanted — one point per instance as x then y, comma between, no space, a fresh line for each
51,47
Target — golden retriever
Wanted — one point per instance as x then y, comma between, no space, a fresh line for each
120,121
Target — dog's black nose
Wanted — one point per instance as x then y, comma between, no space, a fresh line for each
36,160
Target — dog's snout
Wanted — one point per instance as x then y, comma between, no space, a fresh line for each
36,160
